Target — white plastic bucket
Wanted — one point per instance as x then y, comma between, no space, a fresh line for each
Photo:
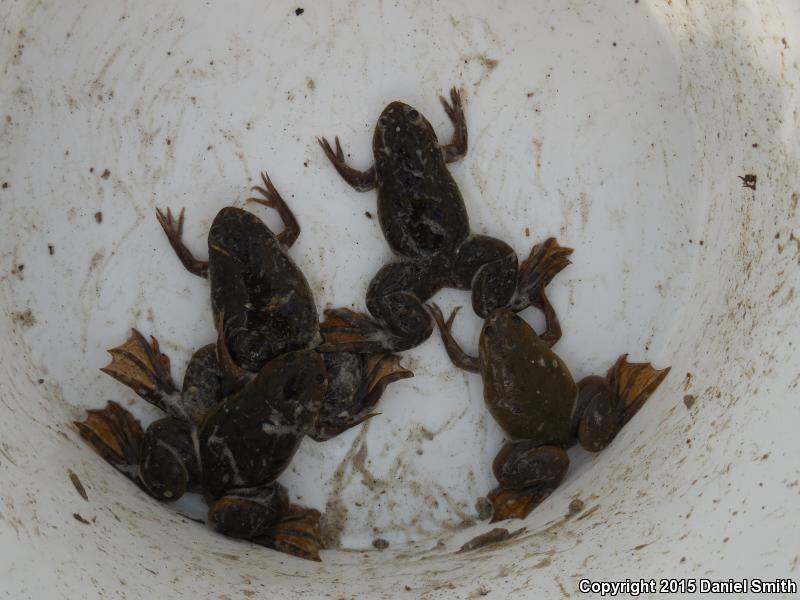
621,128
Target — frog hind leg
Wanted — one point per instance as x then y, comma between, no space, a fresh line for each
362,181
116,436
488,267
457,148
527,474
249,512
264,516
142,366
232,377
173,228
395,297
346,330
202,387
168,459
272,199
298,534
357,382
605,405
161,461
544,262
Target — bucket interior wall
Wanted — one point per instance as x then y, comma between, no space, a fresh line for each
623,129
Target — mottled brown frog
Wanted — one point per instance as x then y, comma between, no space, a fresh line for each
531,394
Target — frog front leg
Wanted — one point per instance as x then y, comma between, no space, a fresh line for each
273,199
527,473
264,516
174,230
605,405
458,357
457,147
356,383
395,297
362,181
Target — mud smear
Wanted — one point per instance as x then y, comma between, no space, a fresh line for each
25,318
354,467
493,536
335,516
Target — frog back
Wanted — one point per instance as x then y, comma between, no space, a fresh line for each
268,305
420,208
527,387
250,437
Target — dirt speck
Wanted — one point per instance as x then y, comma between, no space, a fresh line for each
26,318
748,181
494,536
367,214
51,249
489,63
689,400
105,174
299,11
97,258
98,216
576,506
80,519
311,84
527,232
484,508
380,544
5,184
78,485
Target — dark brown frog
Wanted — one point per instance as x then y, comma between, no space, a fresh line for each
424,220
229,448
248,401
268,308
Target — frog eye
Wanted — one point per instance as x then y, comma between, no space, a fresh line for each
413,115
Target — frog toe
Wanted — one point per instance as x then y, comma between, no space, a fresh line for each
508,503
298,534
544,262
606,405
142,367
634,384
115,435
345,330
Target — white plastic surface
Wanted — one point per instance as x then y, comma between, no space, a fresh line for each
619,127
